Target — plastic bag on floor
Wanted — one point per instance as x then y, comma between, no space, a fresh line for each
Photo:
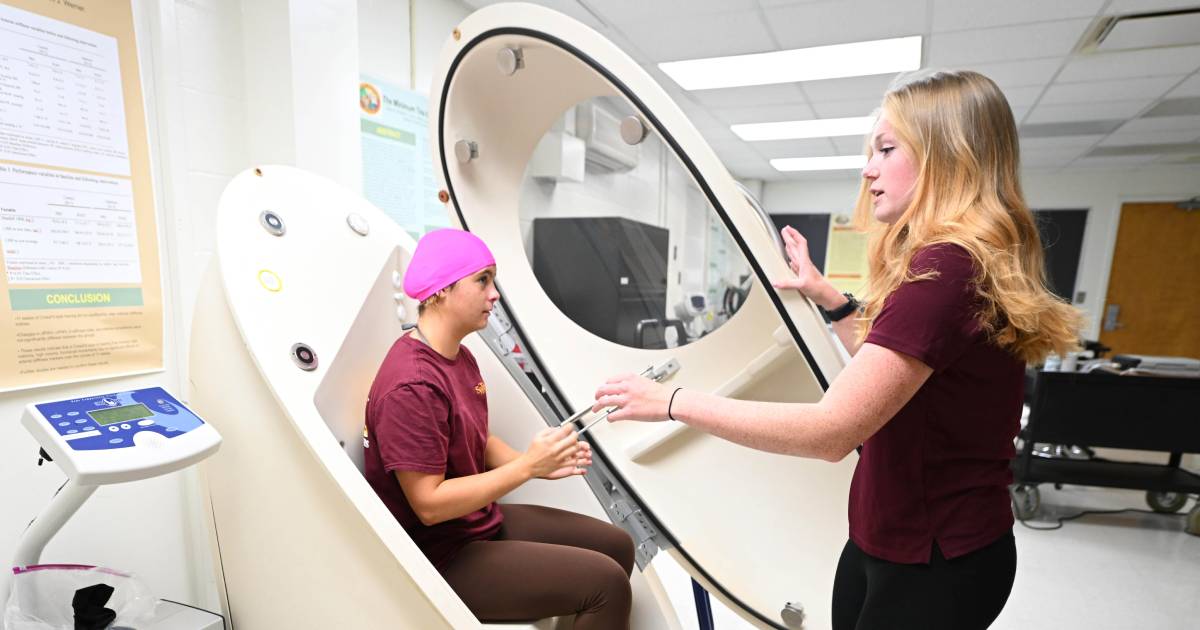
43,597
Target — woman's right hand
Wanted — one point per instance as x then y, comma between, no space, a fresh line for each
808,279
551,450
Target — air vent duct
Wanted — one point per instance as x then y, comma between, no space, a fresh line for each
1143,30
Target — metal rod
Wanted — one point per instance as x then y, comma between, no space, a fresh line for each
593,423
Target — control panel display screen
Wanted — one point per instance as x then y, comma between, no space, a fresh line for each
106,417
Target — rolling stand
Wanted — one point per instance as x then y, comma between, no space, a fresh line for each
1099,409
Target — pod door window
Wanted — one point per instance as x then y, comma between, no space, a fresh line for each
619,235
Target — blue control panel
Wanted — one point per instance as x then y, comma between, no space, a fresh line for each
110,421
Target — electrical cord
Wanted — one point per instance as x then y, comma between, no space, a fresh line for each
64,485
195,608
1060,520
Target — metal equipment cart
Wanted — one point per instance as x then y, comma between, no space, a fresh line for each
1102,409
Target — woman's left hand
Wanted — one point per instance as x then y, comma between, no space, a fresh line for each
583,459
634,398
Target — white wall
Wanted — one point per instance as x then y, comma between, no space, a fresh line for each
1100,191
228,84
139,526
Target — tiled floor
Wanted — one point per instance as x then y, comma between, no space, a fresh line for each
1131,571
1119,571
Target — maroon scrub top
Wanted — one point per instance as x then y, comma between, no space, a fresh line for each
938,471
428,414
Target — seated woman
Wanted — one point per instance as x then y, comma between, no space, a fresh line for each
431,459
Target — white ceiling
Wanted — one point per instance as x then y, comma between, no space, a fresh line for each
1026,46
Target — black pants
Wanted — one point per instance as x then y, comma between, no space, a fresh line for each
966,593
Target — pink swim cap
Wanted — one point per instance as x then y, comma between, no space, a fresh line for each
442,258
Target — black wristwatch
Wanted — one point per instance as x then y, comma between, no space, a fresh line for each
843,311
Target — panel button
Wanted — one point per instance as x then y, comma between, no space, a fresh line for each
116,440
114,428
73,431
72,413
56,416
64,424
126,426
81,421
145,423
149,439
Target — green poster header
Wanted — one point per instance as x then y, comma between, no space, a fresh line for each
40,299
391,133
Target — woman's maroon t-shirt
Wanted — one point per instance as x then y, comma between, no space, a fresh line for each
428,414
939,470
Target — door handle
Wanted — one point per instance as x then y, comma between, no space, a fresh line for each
1112,313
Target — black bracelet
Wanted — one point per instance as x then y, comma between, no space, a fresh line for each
672,402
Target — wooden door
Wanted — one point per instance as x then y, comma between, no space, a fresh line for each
1153,301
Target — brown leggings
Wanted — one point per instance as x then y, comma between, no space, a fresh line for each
547,563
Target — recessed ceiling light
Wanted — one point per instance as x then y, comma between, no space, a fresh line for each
828,163
795,129
881,56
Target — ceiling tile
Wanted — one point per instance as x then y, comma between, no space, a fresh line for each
808,147
701,118
783,3
719,135
1069,128
1131,64
570,8
1181,162
850,145
1185,106
957,15
844,109
1121,138
1144,89
1006,43
1050,157
1122,150
1059,143
1022,96
763,113
1121,7
623,12
825,176
841,22
1112,161
779,94
1010,74
1168,123
851,88
734,151
1084,111
691,36
1191,87
745,171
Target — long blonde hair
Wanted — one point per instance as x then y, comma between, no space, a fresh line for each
962,137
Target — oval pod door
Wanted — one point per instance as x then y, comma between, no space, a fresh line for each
621,243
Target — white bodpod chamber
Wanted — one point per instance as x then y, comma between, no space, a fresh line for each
532,114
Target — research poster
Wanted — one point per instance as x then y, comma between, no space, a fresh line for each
80,292
397,169
846,255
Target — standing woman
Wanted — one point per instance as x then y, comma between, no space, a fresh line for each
956,307
432,460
